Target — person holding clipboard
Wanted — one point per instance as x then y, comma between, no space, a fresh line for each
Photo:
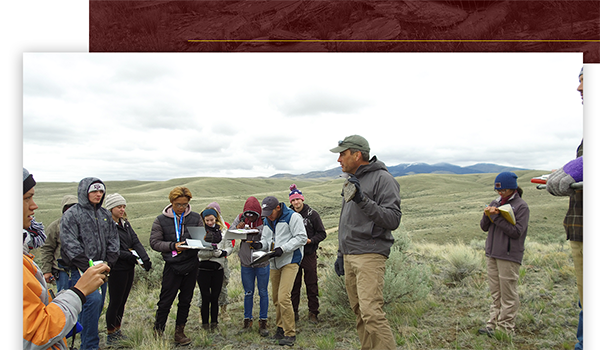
168,235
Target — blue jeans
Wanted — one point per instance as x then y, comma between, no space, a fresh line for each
261,275
63,281
579,345
90,314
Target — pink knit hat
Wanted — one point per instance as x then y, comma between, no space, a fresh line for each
295,193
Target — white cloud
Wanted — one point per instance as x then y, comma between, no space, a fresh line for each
160,116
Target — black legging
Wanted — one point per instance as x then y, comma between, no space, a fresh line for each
173,283
119,286
210,283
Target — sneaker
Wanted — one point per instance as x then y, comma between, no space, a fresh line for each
278,334
487,331
289,341
312,318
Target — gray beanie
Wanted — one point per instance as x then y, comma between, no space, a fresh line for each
114,200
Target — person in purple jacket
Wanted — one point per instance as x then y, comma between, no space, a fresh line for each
504,251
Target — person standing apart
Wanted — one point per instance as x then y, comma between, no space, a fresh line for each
88,234
210,269
573,221
47,319
251,218
169,232
50,251
316,233
504,249
283,234
122,274
370,212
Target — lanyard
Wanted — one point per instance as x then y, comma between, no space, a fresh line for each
178,228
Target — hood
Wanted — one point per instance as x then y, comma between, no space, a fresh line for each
82,192
252,204
168,211
373,165
67,201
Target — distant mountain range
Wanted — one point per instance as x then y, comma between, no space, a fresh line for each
414,168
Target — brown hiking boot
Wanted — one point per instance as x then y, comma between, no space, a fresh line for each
312,318
247,323
180,337
262,328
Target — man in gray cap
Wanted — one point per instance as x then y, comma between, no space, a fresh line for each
370,212
285,235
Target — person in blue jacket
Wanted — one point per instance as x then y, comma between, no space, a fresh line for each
283,234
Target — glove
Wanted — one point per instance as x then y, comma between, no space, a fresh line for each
277,252
147,265
339,266
255,245
219,253
358,197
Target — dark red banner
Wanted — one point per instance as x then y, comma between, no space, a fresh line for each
346,26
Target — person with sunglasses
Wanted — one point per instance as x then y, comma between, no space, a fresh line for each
253,275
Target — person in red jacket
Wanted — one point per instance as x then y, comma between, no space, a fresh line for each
47,320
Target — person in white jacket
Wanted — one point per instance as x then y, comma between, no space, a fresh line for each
285,235
211,267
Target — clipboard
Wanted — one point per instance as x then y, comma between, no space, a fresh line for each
239,233
260,257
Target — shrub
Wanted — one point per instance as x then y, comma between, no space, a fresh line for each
462,262
405,280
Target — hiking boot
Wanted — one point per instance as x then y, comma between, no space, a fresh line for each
247,323
289,341
214,326
487,331
206,326
312,318
262,328
114,338
278,334
180,337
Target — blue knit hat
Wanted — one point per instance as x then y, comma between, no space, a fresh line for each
506,180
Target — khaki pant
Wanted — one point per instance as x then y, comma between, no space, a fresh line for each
282,281
364,284
503,277
577,251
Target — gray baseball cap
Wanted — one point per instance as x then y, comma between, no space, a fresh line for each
268,205
354,141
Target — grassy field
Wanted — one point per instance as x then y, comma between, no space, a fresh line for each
438,260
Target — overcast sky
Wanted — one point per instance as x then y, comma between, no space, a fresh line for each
159,116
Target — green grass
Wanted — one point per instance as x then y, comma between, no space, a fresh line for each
439,235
